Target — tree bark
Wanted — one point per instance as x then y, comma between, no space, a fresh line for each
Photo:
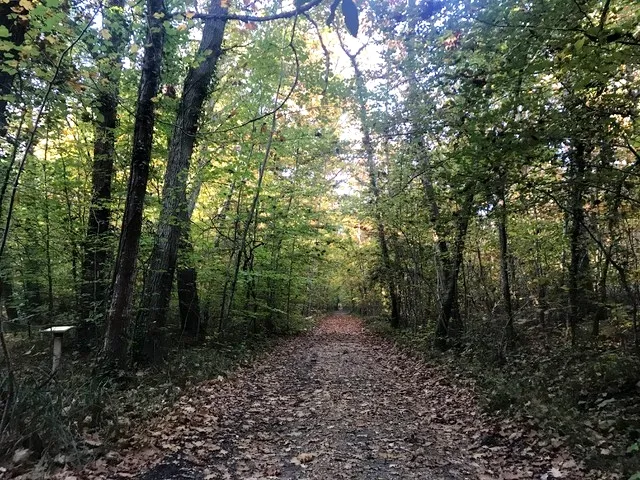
504,268
97,245
187,283
115,346
191,322
450,311
372,171
579,279
174,215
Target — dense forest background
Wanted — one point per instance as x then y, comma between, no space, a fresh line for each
178,179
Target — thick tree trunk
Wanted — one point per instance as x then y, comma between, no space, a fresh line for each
173,217
97,245
187,276
187,283
115,346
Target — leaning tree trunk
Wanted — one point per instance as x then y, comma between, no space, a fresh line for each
174,215
448,263
191,319
372,171
115,344
252,215
96,247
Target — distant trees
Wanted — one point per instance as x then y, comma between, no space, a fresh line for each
513,127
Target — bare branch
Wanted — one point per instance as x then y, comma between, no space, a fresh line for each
287,96
258,18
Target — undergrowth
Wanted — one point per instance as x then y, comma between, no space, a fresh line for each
584,396
74,416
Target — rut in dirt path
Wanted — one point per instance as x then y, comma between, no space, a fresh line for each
334,404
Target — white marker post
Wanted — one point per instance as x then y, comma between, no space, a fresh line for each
57,332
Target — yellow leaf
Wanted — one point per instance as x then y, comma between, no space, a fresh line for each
106,34
182,27
135,48
158,15
190,15
26,4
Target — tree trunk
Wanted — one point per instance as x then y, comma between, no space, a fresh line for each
6,296
450,311
96,247
186,277
504,268
375,192
250,219
174,216
47,232
447,263
115,346
187,283
579,279
72,244
225,306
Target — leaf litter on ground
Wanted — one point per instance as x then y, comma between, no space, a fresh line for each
336,403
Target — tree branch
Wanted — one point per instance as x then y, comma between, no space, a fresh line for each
258,18
32,136
287,96
325,50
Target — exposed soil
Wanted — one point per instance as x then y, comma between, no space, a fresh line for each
337,403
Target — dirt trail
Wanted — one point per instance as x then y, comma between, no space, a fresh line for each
336,403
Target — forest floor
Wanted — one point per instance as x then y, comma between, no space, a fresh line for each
335,403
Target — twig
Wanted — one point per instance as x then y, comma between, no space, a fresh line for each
256,18
32,136
287,96
325,50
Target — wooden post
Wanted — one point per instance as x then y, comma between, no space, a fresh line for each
58,332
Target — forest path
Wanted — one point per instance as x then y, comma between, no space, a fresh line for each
337,403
